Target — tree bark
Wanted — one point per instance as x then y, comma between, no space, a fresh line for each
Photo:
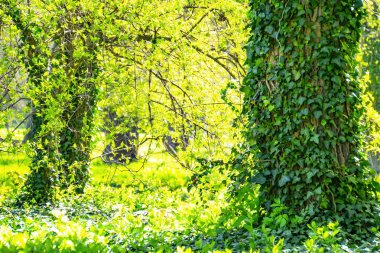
123,148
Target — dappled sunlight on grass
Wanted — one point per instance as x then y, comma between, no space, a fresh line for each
144,206
129,207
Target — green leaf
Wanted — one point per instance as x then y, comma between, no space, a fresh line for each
297,75
315,138
258,179
284,179
318,114
269,29
336,79
282,222
300,100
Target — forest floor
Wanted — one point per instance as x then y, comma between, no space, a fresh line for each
139,208
143,207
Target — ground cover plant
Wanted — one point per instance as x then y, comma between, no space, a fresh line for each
189,126
152,211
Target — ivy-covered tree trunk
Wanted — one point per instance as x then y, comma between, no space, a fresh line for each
302,103
75,141
61,59
80,46
42,177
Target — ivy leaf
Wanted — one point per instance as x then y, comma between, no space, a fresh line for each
258,179
282,221
284,179
315,138
376,185
337,61
297,75
305,132
269,29
317,114
336,79
300,100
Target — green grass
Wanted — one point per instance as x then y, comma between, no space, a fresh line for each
142,207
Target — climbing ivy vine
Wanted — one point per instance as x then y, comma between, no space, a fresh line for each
59,45
301,117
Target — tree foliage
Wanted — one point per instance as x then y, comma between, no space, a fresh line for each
369,72
370,46
131,58
165,98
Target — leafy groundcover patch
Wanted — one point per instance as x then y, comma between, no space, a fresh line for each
120,218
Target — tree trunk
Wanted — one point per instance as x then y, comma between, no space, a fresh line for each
81,74
374,159
302,106
171,145
63,89
39,184
124,148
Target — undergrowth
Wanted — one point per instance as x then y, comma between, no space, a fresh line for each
150,209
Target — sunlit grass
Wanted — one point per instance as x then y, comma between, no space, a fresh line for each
13,162
125,203
141,207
